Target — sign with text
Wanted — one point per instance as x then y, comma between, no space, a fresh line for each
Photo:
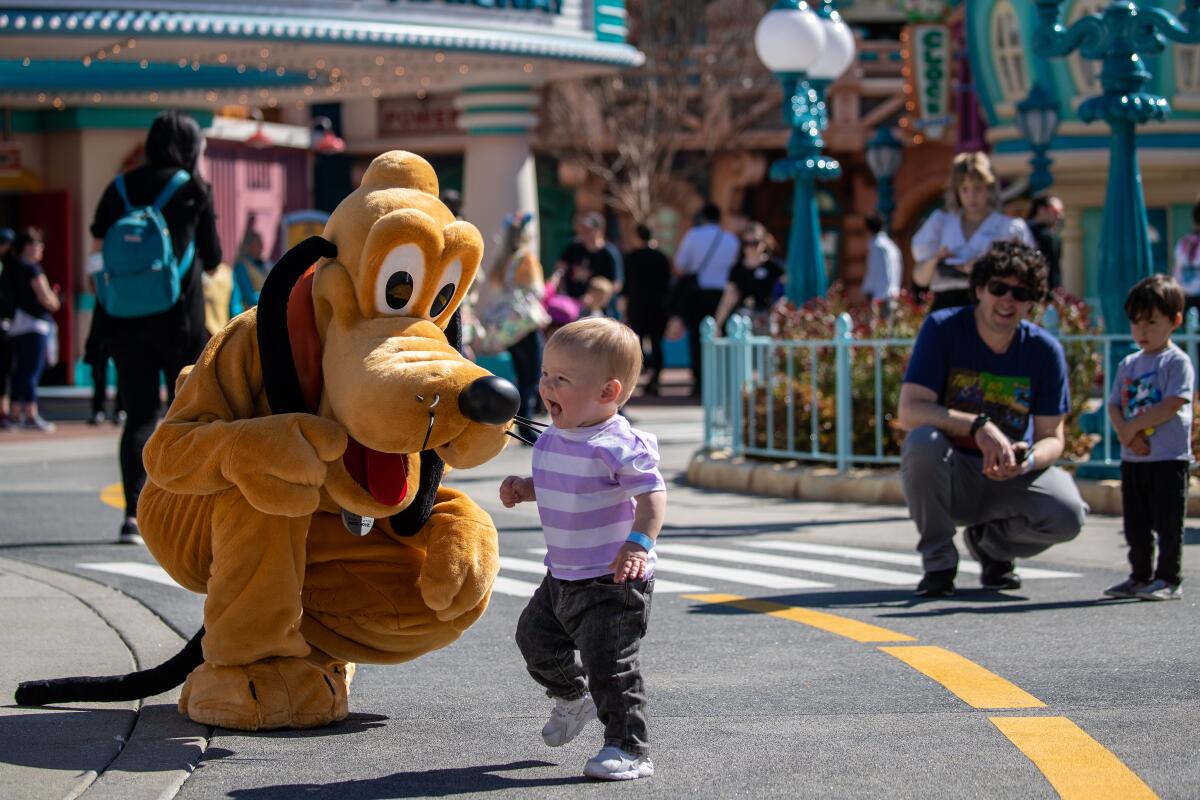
405,116
929,74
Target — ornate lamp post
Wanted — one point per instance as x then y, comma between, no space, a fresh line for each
1119,37
806,50
1037,117
884,154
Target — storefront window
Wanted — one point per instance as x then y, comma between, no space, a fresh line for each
1008,53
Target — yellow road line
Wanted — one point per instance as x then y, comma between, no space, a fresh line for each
1077,766
113,495
973,684
831,623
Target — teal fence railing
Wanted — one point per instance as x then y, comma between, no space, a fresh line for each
814,400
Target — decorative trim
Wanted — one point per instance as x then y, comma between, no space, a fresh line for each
606,49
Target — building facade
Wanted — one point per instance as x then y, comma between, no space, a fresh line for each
456,80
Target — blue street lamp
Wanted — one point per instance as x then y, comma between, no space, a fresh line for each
1119,37
884,154
1037,117
806,50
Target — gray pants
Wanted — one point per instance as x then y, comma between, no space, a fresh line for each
946,487
605,622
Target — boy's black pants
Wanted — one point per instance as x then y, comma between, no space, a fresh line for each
1154,498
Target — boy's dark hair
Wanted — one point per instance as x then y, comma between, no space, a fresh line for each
644,233
1160,293
874,222
711,212
1011,260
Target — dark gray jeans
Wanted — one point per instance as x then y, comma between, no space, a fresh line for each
945,487
605,623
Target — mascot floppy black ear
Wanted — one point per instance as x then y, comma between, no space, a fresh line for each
284,395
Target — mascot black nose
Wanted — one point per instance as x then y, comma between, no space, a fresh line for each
490,400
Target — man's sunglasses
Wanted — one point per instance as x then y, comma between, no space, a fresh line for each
999,288
751,242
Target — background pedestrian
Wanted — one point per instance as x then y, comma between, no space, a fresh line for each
1187,261
754,282
646,292
947,244
32,326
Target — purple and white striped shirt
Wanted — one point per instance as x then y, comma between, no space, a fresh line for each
586,479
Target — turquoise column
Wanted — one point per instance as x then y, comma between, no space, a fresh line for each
1120,38
804,111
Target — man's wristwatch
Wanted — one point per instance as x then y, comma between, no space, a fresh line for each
980,421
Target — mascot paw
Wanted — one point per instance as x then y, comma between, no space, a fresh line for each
268,694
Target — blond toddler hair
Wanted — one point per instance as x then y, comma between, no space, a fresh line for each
611,345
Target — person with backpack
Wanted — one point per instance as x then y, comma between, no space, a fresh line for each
158,230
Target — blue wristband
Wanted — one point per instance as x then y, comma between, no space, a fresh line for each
641,539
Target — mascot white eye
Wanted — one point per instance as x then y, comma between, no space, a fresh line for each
451,278
400,278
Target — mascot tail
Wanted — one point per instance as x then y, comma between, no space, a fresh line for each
112,688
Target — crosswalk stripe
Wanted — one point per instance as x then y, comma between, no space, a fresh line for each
871,574
750,577
134,569
512,587
888,557
660,585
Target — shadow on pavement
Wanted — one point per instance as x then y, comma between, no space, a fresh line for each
427,783
735,528
61,738
355,723
986,601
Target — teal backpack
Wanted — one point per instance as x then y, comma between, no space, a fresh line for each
141,276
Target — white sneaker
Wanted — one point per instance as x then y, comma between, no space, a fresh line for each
1159,589
614,764
567,719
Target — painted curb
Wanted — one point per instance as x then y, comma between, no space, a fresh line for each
793,480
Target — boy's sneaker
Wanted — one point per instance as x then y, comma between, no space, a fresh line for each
993,574
614,764
130,534
36,423
96,418
567,719
939,583
1159,589
1126,588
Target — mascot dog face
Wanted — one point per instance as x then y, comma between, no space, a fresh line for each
381,309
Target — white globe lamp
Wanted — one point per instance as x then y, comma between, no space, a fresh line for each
838,54
789,39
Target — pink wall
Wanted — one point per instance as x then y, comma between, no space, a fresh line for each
254,184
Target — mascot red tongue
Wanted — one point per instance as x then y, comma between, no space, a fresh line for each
384,475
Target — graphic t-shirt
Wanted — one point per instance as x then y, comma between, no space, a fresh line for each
1028,379
585,480
1145,379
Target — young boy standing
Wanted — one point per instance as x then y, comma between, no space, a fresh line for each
602,502
1151,412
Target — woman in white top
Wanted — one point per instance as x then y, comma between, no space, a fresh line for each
948,243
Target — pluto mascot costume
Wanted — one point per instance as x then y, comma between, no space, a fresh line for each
295,479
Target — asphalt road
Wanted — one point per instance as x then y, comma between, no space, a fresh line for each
1027,694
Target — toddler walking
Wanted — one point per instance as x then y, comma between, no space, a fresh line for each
601,500
1151,412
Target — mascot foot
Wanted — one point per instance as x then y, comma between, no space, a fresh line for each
268,694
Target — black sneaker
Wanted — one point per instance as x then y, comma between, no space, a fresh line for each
993,574
130,534
938,583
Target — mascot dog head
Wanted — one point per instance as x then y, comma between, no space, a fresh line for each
367,327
